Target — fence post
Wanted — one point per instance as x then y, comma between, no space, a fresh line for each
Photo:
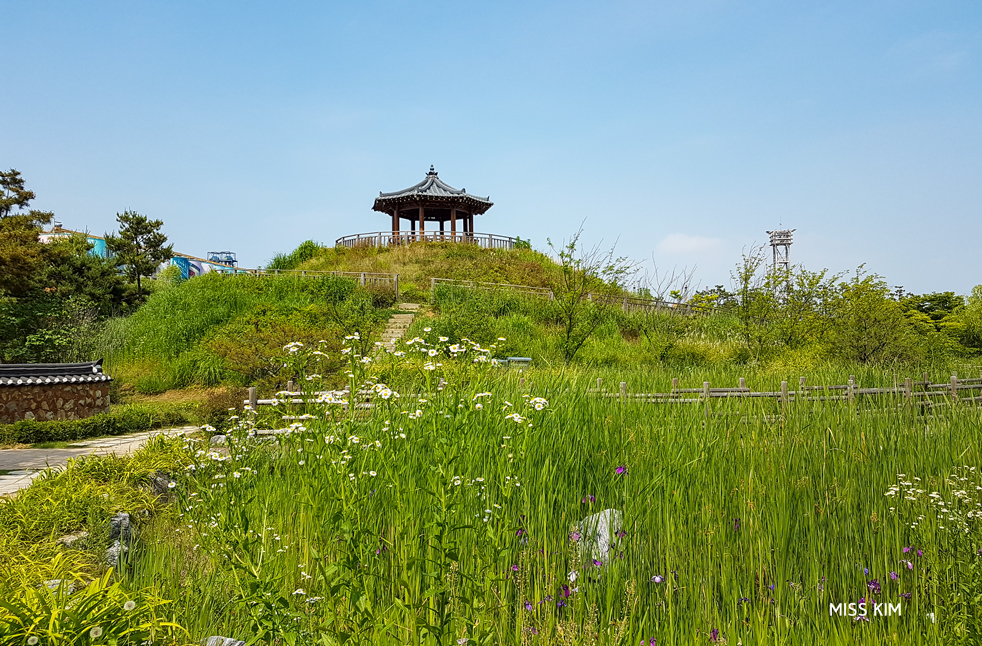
909,388
623,391
289,385
954,388
397,287
675,384
801,385
850,392
252,400
362,279
784,392
598,382
743,383
432,287
705,390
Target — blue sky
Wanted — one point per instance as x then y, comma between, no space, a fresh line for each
681,131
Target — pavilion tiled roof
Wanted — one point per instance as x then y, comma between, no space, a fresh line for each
28,374
434,189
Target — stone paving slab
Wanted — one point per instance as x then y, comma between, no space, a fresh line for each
33,461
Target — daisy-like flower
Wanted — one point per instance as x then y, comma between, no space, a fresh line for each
95,632
129,605
236,475
171,485
443,339
478,406
299,591
427,329
32,640
372,473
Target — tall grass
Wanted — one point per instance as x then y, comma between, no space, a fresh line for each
457,515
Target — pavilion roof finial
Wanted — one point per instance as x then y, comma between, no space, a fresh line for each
432,171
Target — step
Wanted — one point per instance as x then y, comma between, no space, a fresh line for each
409,306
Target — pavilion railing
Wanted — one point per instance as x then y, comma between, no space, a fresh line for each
390,239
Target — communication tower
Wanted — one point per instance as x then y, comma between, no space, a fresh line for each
781,242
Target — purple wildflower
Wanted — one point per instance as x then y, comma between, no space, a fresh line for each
621,534
907,550
574,536
861,618
520,532
657,578
920,553
566,591
652,642
905,595
561,604
736,524
621,470
714,635
893,575
874,586
514,568
866,571
590,498
528,605
910,566
597,563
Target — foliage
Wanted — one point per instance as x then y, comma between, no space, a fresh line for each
21,253
100,613
120,420
457,514
870,326
139,247
306,251
584,287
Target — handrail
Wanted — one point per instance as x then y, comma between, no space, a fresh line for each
392,238
362,277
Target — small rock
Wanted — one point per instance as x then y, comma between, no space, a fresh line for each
54,584
119,527
116,550
223,641
71,539
159,483
218,440
597,534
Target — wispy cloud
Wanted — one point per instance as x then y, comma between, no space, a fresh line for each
678,244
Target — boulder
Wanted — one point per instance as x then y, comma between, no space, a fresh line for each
596,535
218,440
223,641
120,528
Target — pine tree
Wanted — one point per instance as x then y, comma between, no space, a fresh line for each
140,246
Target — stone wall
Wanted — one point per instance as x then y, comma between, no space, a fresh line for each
53,401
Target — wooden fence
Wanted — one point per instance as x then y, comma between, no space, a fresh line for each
921,392
363,278
626,303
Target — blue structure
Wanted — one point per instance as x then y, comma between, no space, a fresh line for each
190,266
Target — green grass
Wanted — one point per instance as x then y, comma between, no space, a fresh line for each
754,518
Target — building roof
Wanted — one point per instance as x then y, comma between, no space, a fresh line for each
435,190
28,374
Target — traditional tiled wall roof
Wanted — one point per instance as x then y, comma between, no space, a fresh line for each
32,374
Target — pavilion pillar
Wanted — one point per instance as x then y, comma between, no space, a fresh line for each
395,220
453,224
470,220
422,226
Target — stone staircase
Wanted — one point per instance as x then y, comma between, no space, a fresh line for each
397,325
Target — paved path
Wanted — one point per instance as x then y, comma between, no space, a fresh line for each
397,325
25,464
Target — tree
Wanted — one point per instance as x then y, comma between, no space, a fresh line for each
21,253
585,286
139,247
663,326
757,306
870,326
12,192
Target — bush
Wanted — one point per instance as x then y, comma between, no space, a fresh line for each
125,419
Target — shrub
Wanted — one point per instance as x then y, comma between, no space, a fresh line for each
125,419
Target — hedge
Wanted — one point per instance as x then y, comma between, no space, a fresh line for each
124,419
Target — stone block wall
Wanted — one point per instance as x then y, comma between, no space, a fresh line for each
53,401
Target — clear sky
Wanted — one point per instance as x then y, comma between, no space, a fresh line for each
681,130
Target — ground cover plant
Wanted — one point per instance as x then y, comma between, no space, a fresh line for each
463,508
63,591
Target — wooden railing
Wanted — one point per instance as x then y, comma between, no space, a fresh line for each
363,278
392,239
626,303
922,392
